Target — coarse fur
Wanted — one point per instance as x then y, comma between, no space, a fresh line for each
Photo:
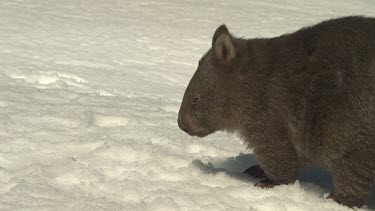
302,98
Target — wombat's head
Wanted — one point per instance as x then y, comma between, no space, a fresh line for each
208,97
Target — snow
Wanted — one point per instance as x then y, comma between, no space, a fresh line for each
89,96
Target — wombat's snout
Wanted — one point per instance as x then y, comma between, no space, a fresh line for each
182,125
188,126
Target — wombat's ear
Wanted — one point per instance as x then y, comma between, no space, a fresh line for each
222,44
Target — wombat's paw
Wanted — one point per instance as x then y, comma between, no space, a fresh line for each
255,171
347,201
266,183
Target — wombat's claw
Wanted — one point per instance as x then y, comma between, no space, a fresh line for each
266,183
255,171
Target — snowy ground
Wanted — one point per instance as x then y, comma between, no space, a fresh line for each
89,95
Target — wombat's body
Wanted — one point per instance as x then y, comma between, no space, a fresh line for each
301,98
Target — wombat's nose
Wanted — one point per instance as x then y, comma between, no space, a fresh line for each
181,125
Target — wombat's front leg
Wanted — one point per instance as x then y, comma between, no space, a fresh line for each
279,163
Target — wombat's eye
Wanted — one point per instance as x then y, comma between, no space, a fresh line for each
195,100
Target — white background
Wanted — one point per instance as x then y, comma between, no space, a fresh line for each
89,96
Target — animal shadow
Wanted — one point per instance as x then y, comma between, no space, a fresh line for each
235,166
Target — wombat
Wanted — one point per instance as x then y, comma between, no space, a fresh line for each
300,99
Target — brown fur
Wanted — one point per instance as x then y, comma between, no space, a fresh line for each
300,98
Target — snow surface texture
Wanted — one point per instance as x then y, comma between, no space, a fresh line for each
89,95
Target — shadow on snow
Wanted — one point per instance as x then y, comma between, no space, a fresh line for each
234,166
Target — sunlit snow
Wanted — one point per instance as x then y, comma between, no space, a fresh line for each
89,96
